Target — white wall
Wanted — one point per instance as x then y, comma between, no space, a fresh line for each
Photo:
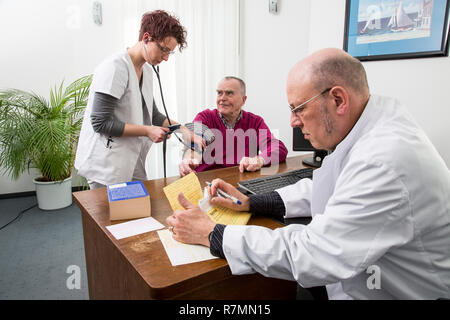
47,41
270,45
421,84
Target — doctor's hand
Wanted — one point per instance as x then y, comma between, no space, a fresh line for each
228,203
191,225
187,166
156,134
251,164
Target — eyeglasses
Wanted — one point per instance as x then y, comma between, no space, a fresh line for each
164,50
298,109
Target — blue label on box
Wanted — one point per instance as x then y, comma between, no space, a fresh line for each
126,190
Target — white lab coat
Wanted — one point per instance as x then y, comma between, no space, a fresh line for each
380,199
95,159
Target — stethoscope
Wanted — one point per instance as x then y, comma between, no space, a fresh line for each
172,127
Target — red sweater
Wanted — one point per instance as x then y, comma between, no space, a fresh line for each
250,137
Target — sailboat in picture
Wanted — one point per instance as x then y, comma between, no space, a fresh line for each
400,21
373,24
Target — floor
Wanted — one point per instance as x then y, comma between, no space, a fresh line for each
41,253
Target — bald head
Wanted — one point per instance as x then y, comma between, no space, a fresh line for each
331,67
329,91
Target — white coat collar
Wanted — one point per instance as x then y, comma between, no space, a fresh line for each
147,82
365,122
324,178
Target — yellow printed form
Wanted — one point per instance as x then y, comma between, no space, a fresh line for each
189,185
192,190
227,216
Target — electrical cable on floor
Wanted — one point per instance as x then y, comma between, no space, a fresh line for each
18,216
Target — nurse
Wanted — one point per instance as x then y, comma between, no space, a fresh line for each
121,120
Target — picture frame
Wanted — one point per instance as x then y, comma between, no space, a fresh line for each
396,29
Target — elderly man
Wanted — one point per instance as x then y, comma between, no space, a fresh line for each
380,202
241,138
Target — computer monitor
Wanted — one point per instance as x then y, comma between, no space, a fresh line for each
299,143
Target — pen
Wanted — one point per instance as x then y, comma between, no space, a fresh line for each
223,194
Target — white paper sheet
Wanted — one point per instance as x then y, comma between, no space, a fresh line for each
181,253
132,228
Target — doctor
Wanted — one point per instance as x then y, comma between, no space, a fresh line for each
121,120
380,202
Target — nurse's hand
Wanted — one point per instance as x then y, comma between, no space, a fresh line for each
228,203
156,134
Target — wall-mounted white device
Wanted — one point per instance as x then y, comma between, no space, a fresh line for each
97,12
273,6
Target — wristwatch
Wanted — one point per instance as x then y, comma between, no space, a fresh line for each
210,236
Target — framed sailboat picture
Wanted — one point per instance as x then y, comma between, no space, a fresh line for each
396,29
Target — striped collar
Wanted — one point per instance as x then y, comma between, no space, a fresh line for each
226,123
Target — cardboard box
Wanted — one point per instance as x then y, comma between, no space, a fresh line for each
128,200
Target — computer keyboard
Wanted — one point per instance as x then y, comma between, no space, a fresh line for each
271,183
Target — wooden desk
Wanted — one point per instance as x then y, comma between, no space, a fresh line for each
139,268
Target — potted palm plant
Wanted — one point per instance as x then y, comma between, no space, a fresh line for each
40,133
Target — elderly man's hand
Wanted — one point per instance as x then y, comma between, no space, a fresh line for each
189,136
187,166
199,141
251,164
191,225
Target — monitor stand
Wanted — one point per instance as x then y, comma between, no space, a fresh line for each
316,160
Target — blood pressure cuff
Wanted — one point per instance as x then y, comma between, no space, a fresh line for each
203,131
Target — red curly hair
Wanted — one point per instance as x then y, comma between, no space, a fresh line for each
159,25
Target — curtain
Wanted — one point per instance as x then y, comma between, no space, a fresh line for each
189,78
